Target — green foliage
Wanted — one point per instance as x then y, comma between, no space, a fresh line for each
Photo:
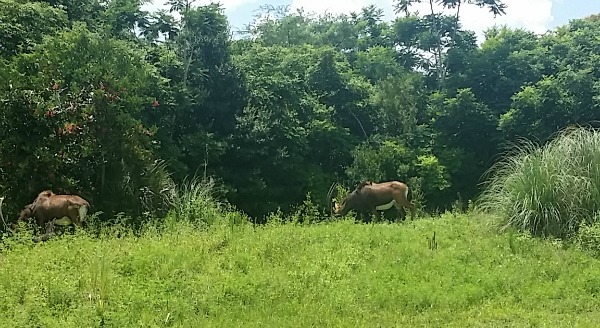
299,101
508,60
124,113
378,63
495,6
72,121
329,274
194,201
276,26
439,34
306,213
567,94
87,11
400,101
388,159
588,236
467,138
207,91
391,160
123,17
25,24
551,190
561,100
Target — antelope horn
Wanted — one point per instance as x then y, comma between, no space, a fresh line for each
329,197
2,215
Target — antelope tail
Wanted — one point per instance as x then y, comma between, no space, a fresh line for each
83,209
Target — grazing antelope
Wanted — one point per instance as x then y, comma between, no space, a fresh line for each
371,197
49,208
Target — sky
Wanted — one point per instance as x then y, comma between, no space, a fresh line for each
538,16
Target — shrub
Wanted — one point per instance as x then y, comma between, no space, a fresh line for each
588,236
72,122
193,201
548,190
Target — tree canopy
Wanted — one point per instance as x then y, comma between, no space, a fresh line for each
104,99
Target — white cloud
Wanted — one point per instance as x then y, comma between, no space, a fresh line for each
227,4
533,15
155,5
335,6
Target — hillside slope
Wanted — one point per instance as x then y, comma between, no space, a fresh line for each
283,275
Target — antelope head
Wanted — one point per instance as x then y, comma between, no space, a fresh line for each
336,208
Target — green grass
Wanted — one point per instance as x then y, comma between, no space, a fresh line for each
549,191
338,274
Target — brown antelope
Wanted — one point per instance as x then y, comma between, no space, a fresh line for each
49,208
372,197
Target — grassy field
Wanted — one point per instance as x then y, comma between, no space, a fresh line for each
338,274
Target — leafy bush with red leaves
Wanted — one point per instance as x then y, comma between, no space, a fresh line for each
72,122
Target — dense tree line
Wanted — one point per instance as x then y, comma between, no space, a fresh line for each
117,104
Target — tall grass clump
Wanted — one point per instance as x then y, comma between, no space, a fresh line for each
550,190
193,201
